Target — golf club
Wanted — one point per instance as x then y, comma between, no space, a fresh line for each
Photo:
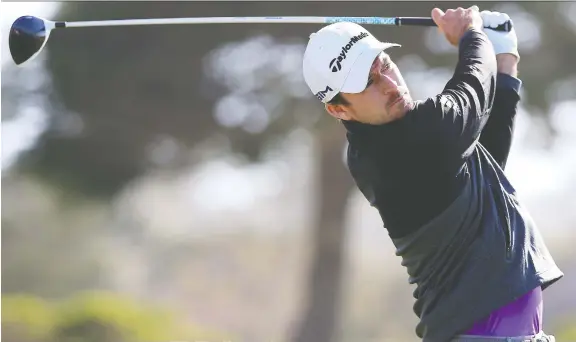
29,34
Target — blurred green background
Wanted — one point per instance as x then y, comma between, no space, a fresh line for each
180,183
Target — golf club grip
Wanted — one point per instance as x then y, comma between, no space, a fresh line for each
415,21
422,21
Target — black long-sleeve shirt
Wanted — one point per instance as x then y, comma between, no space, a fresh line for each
415,161
497,134
436,177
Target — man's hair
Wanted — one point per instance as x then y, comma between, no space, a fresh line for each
338,100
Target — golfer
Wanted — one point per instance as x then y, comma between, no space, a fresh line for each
433,168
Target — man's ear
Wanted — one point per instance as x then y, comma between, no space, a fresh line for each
338,111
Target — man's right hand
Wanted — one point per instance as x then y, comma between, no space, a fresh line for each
455,22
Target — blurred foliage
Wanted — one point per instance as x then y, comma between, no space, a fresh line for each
94,317
566,331
26,315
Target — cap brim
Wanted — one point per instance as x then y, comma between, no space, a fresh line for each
358,76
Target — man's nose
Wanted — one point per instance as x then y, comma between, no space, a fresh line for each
387,83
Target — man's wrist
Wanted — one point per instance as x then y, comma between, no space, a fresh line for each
507,64
506,81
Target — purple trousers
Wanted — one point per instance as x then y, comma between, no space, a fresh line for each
520,318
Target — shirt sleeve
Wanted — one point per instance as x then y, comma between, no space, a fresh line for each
497,134
447,127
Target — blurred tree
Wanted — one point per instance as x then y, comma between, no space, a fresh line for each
323,304
133,88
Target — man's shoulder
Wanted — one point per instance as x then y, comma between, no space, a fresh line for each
439,102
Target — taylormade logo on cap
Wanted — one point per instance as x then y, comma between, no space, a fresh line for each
322,93
336,63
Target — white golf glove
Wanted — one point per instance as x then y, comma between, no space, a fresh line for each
503,42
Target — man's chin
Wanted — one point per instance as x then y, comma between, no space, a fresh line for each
400,102
399,109
409,104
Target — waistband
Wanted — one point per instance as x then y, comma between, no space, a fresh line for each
540,337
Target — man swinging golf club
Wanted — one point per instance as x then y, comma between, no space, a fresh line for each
433,169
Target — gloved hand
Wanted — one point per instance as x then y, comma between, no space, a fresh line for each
503,42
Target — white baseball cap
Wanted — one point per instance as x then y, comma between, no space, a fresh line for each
338,58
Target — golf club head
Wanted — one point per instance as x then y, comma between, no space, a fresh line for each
28,35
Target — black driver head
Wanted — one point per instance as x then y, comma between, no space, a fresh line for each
28,35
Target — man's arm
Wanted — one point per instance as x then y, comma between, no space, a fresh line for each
448,125
497,134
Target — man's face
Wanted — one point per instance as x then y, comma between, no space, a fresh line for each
385,99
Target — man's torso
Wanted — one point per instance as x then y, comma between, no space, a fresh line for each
473,249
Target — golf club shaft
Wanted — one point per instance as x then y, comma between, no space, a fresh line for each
408,21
